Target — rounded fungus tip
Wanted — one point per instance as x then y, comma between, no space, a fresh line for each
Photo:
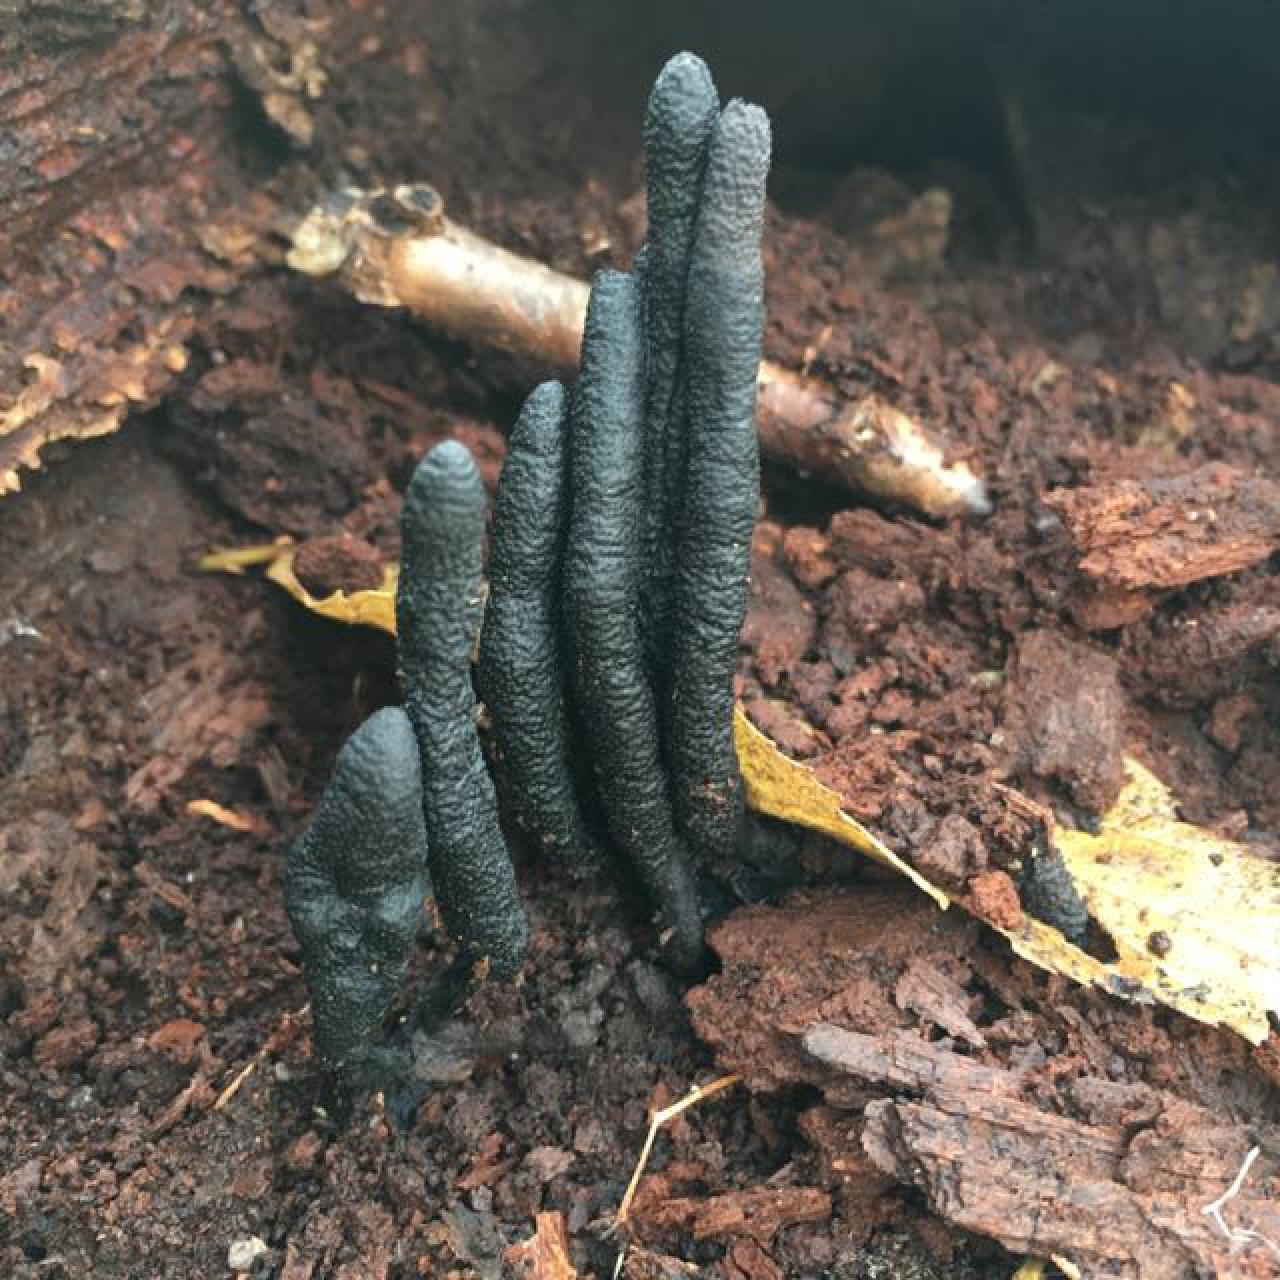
682,103
450,456
384,747
544,404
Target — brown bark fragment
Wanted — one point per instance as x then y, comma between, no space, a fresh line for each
545,1254
988,1172
746,1260
1064,716
756,1212
1169,532
1042,1183
119,215
937,998
644,1264
905,1061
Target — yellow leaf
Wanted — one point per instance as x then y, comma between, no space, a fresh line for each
1195,919
782,788
236,559
375,607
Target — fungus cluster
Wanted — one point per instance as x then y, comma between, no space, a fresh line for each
617,590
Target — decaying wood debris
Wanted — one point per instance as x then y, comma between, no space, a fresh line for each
397,248
919,1042
121,211
1117,1194
1163,533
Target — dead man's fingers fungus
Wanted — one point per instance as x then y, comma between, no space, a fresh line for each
354,888
660,501
618,588
603,562
438,608
723,326
679,121
521,670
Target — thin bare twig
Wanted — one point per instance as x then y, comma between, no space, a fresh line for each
1239,1236
699,1093
396,248
237,1081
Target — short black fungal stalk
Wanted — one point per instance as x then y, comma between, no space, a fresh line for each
618,588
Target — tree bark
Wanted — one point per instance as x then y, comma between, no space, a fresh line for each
122,206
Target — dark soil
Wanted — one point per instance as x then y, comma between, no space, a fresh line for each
164,733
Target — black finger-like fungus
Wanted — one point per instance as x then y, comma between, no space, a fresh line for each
621,554
438,607
681,116
1049,893
354,888
602,570
520,672
724,321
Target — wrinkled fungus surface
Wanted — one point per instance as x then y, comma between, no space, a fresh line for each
621,553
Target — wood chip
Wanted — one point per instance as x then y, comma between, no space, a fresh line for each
757,1213
1168,532
1112,1200
545,1254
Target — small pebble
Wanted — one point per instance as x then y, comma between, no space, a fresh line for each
81,1099
244,1253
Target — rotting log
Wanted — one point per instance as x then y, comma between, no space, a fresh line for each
124,209
121,205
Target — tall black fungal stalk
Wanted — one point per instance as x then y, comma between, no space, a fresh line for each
664,485
521,669
438,608
616,700
723,327
679,122
354,889
618,589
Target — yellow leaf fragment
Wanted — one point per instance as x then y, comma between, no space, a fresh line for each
372,608
237,559
233,818
1194,918
783,788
